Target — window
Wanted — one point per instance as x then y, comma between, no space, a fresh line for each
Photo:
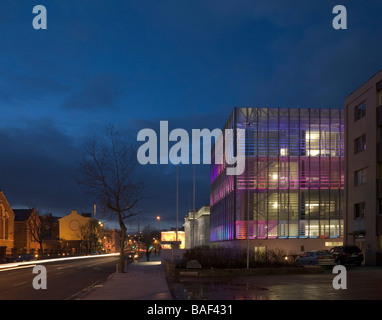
360,144
359,210
4,219
283,152
359,111
360,177
333,244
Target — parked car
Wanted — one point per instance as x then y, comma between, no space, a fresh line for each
347,254
132,255
316,257
25,257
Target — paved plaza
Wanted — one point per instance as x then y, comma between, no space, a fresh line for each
363,283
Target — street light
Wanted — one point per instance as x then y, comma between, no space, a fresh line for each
158,219
247,125
193,213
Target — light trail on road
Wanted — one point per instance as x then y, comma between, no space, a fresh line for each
26,264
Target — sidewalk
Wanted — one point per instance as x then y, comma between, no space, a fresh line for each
144,280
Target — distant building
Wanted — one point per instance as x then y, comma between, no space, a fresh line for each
50,233
291,194
167,236
111,239
197,228
80,233
70,226
27,231
50,226
7,218
363,169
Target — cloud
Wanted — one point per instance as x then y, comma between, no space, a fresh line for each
20,84
187,62
102,92
38,168
161,189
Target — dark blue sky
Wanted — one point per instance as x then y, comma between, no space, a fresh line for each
134,63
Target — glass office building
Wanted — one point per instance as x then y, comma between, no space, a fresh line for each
293,183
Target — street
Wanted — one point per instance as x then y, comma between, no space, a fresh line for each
65,279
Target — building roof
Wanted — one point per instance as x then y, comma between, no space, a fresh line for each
360,86
49,217
4,201
86,215
22,214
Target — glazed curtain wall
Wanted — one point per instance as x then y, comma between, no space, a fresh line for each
293,183
222,196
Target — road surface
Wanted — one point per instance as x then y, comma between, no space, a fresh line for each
66,280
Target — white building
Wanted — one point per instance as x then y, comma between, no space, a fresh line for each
197,229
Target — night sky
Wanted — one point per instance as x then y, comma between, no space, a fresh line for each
134,63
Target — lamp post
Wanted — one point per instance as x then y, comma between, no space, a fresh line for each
247,124
158,219
177,200
193,213
159,236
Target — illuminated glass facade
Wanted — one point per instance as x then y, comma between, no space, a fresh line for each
293,182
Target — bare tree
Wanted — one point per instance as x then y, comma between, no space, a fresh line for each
36,230
148,238
107,173
89,234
